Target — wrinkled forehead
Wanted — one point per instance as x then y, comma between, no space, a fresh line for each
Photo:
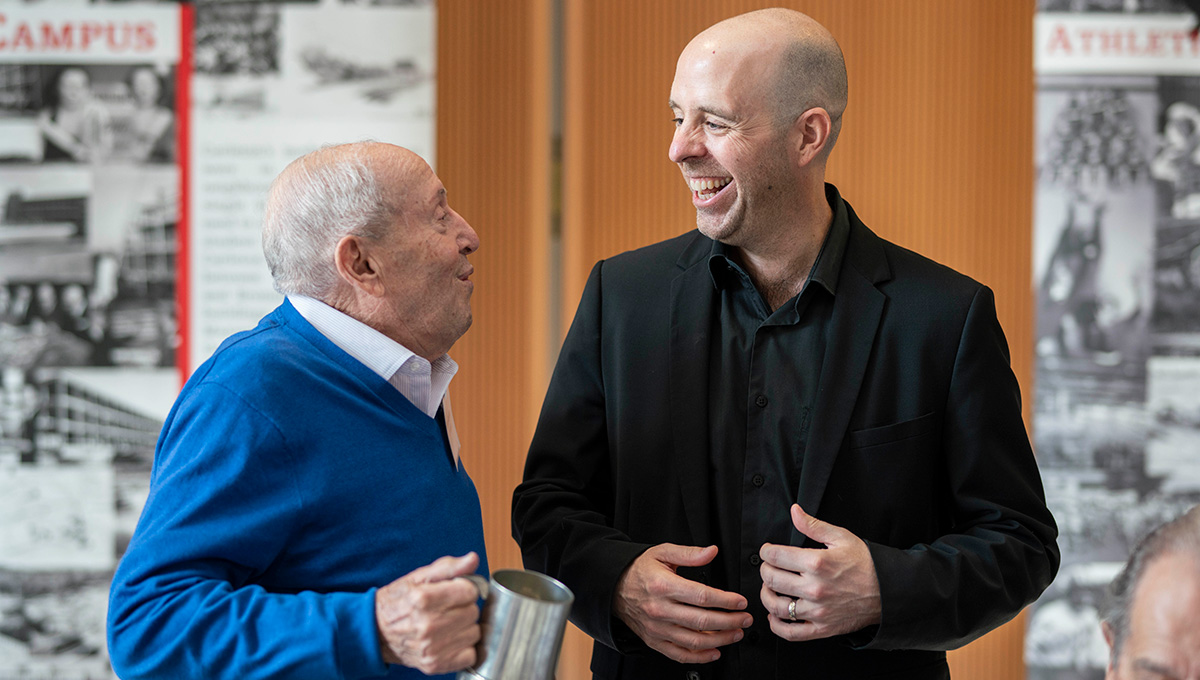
404,177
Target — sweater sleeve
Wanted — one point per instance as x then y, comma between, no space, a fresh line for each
223,503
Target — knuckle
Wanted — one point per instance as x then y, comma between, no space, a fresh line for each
692,641
818,563
420,598
768,577
423,632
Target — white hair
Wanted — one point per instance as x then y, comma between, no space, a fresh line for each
316,200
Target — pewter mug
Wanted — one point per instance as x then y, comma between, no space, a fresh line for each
523,620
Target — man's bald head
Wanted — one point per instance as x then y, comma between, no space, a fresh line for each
347,189
804,66
1157,591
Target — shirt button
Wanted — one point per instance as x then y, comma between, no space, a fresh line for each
693,675
760,401
755,560
758,480
752,637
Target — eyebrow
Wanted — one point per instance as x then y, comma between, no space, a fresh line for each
1154,667
706,109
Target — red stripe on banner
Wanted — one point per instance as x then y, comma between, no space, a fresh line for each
183,114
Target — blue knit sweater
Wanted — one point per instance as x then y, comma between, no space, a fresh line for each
289,482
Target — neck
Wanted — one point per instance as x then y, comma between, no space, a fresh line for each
371,311
780,266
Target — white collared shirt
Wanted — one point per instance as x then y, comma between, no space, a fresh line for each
421,382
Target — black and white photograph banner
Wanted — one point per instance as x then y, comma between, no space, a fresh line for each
1117,279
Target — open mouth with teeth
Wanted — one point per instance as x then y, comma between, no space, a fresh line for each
705,189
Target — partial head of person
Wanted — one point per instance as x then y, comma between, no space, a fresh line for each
367,229
146,87
1152,623
74,88
757,102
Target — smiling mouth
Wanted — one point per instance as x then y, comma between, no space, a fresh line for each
706,188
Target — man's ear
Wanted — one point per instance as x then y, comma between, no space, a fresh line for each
810,134
1109,637
355,264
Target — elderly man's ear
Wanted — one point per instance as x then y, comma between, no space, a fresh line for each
1109,637
356,265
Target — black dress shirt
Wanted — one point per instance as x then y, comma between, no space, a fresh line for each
764,370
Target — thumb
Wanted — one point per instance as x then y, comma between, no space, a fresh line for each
445,568
685,555
821,532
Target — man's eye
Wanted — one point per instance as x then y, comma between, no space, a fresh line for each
677,121
713,125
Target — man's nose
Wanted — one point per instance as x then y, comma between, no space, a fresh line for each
685,144
468,239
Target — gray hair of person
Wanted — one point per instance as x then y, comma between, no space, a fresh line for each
1180,535
318,199
813,73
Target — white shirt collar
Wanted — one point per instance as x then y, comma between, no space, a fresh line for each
383,355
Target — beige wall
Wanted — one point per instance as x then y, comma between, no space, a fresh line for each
936,153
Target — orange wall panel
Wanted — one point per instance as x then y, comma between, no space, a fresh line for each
493,154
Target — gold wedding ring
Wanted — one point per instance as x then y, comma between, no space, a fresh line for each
792,610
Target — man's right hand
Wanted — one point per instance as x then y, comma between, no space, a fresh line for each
429,619
675,616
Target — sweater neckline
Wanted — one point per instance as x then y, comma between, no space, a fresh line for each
287,316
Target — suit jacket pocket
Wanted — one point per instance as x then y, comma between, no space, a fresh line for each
888,434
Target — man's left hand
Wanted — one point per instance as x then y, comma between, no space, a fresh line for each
835,589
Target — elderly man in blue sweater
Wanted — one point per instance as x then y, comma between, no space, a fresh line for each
308,514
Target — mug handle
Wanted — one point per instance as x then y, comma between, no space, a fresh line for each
481,584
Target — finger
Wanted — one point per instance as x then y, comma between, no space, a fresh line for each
699,619
445,568
437,664
821,532
682,655
788,558
699,595
688,652
701,641
451,639
795,632
683,555
777,604
784,579
443,596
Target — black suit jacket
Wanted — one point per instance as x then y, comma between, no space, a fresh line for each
916,445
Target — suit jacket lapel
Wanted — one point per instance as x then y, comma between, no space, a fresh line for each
856,315
692,296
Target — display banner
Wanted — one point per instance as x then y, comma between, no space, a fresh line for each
1117,274
90,191
137,140
306,75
